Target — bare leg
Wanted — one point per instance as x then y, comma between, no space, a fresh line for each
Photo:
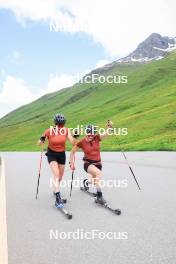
96,175
61,171
58,171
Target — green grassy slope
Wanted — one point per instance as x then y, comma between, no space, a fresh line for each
146,106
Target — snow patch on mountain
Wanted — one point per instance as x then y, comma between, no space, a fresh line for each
155,47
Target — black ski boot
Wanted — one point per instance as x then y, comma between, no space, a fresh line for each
64,200
86,184
99,199
59,202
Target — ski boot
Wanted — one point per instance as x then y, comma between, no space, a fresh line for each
86,184
99,199
59,201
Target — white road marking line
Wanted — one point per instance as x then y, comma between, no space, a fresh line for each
3,222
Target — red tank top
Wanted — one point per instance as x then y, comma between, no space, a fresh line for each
91,149
56,138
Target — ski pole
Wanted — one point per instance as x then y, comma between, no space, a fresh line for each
40,166
75,135
130,168
71,187
129,165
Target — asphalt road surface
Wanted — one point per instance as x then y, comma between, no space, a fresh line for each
144,233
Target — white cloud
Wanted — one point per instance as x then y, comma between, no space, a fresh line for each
14,90
57,82
117,25
101,63
14,93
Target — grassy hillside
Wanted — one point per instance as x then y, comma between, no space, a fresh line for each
146,105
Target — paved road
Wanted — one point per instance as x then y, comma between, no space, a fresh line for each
148,217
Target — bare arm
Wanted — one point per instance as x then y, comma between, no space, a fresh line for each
109,129
72,158
70,137
72,154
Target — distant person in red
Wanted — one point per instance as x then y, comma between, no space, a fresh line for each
57,138
90,145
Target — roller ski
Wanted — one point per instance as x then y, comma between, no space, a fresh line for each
98,198
103,203
85,188
60,205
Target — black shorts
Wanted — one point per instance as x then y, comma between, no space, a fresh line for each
59,157
97,165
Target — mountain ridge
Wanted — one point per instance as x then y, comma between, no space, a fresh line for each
154,47
146,105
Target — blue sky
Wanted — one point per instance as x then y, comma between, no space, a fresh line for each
35,60
44,52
